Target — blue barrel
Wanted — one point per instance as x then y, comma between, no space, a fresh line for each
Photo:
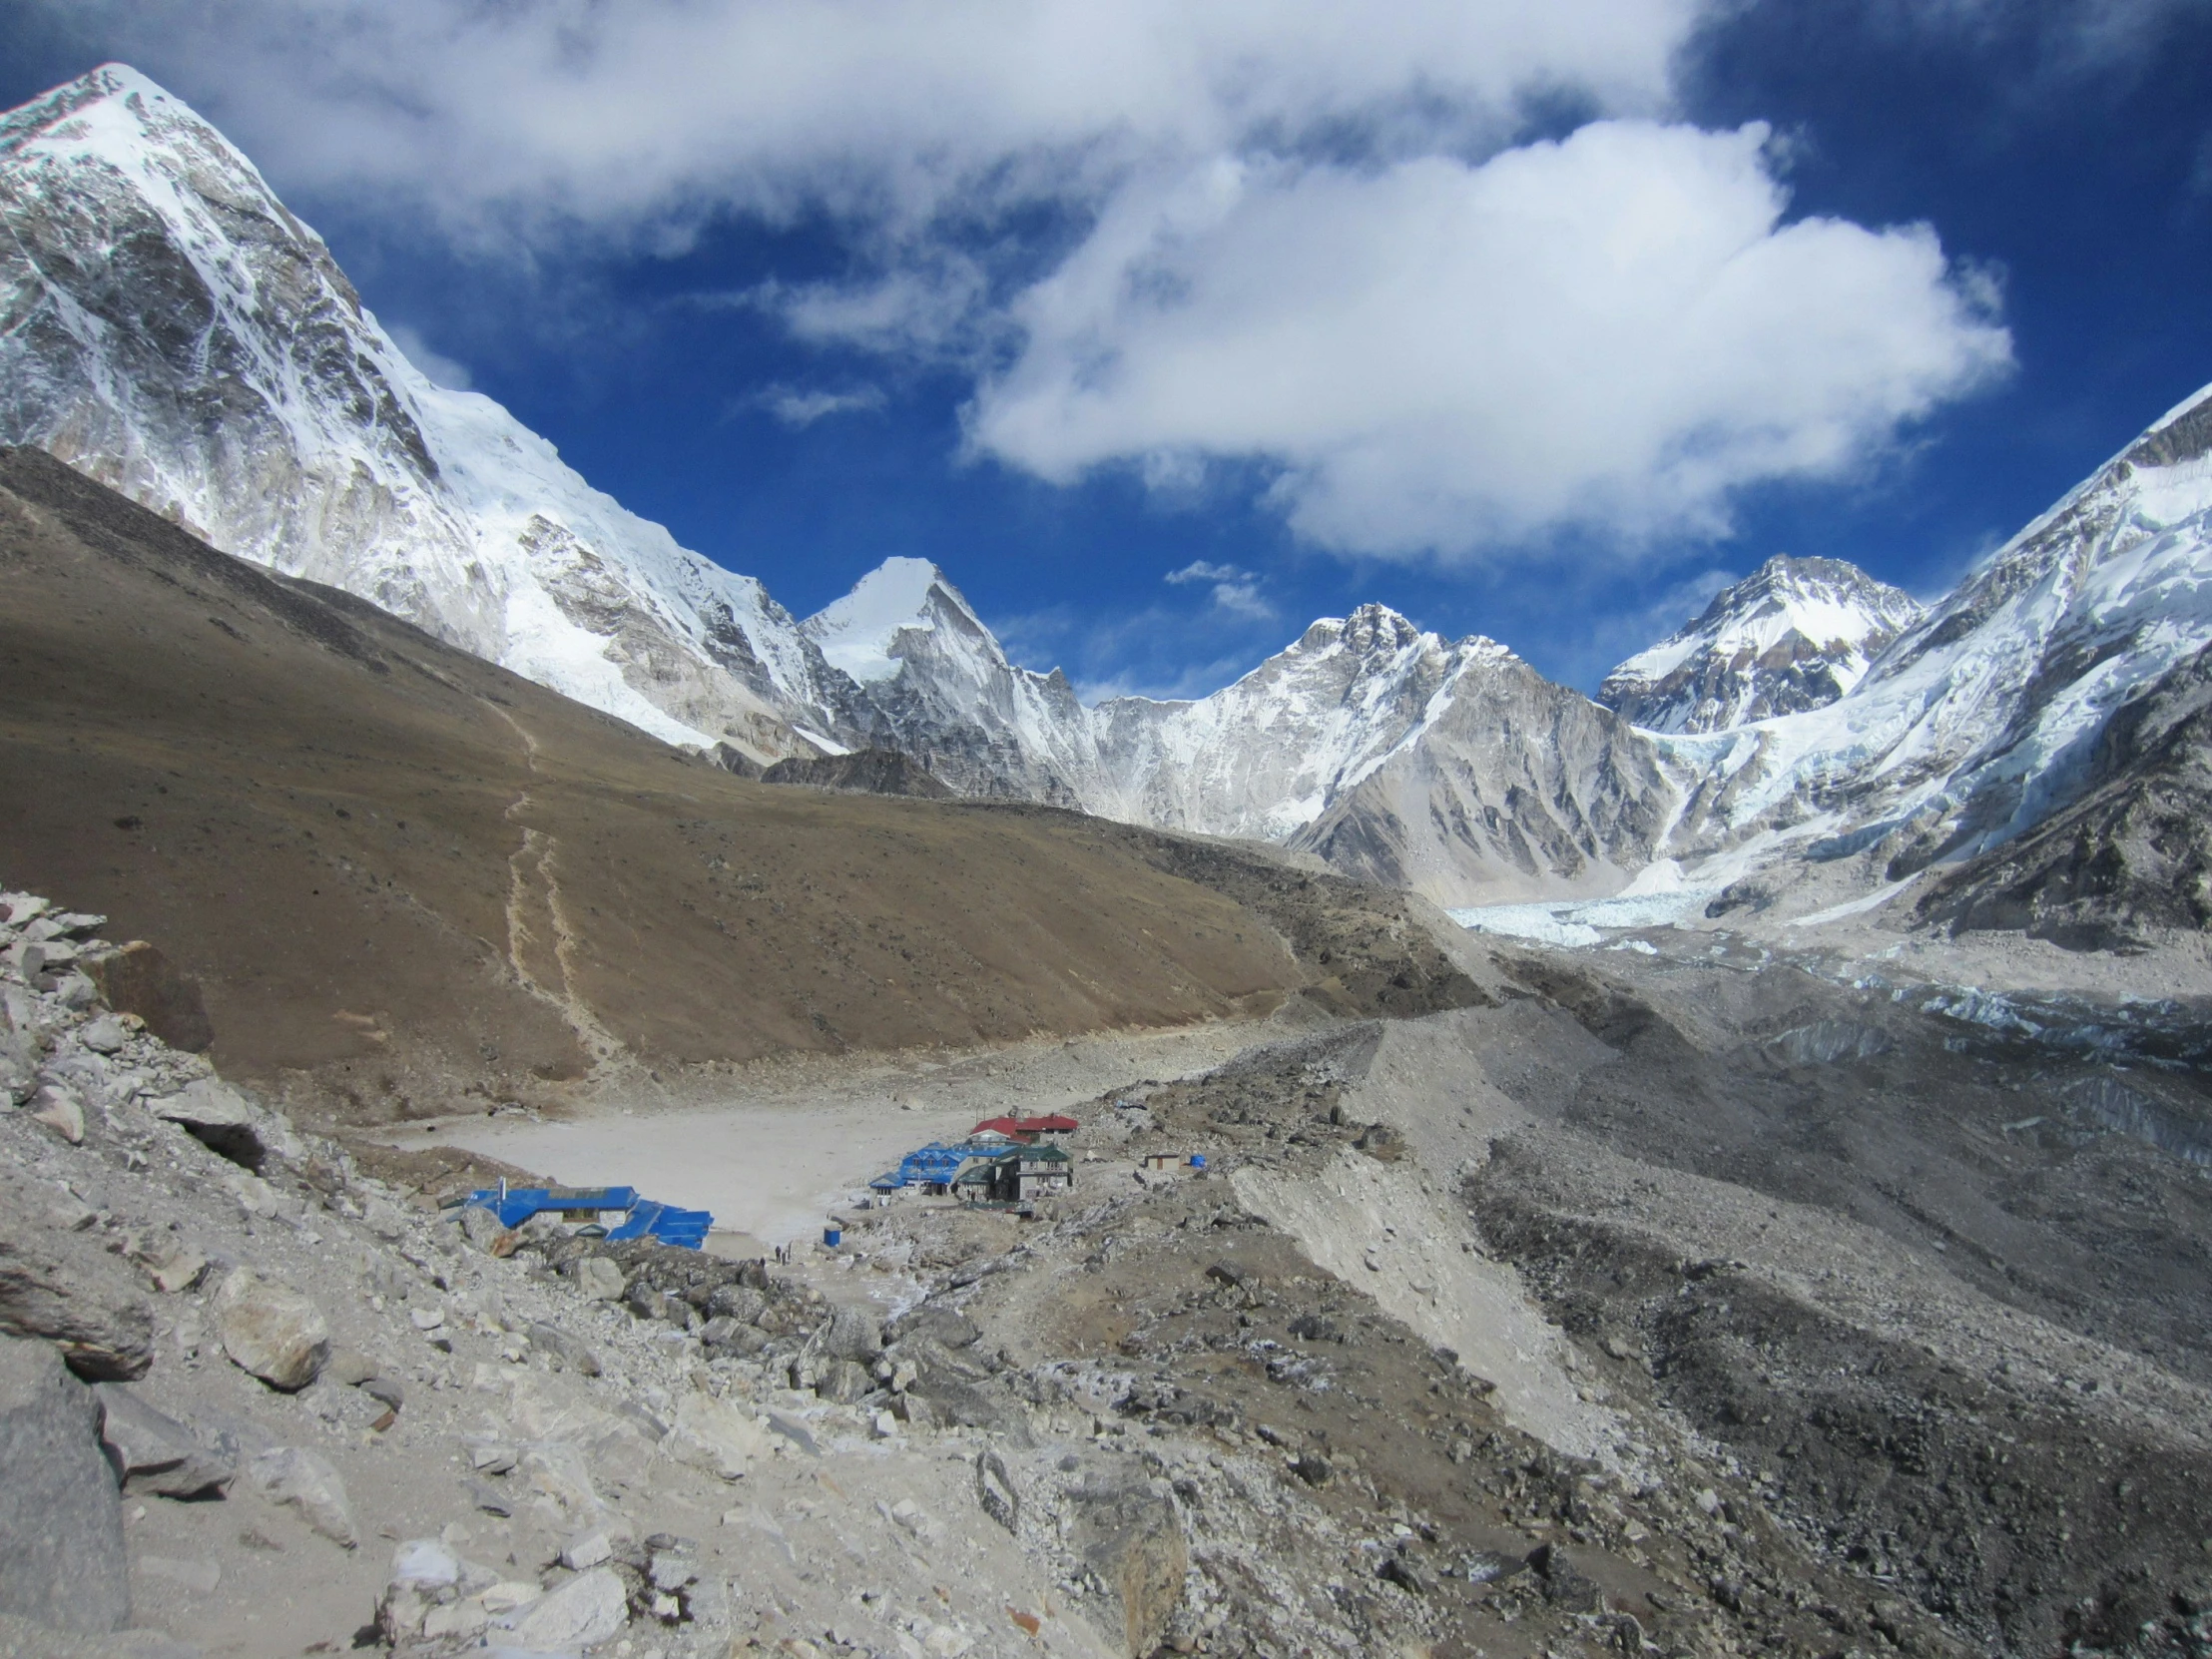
832,1235
1198,1160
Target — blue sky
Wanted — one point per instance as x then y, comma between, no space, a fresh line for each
1534,329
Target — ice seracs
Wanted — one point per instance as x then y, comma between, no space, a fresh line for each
1796,635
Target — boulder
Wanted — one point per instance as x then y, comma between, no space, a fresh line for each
306,1481
562,1475
591,1607
104,1035
731,1335
219,1118
153,1453
349,1367
483,1229
596,1276
995,1490
852,1333
941,1326
572,1352
62,1560
139,979
740,1303
714,1436
841,1382
65,1288
423,1572
272,1331
1565,1586
56,1105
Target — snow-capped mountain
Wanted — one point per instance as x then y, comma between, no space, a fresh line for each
1401,756
173,330
1453,767
169,327
1797,634
1981,719
936,685
1508,788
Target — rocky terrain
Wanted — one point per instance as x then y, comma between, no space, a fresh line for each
1659,1306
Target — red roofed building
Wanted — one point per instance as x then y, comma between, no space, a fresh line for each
1049,1128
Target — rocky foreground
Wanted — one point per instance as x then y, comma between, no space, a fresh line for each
256,1400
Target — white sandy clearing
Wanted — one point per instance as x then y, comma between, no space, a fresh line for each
790,1141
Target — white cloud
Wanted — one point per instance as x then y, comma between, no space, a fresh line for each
798,406
1234,590
1296,240
1617,331
623,115
436,367
1200,570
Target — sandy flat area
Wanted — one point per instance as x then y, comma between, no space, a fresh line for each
790,1141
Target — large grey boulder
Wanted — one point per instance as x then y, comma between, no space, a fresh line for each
596,1276
592,1608
572,1352
852,1333
63,1287
272,1331
62,1560
154,1452
306,1481
226,1122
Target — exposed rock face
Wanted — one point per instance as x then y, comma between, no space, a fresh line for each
1452,768
1514,788
172,329
177,334
139,979
2127,861
153,1453
1129,1535
65,1289
868,771
62,1560
1985,717
1797,634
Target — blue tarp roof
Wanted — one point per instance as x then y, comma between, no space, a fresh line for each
643,1218
935,1161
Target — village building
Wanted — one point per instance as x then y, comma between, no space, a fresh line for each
1038,1171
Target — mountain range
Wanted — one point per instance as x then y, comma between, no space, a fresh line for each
169,329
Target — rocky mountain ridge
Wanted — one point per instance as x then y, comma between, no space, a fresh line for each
174,331
1797,634
1985,717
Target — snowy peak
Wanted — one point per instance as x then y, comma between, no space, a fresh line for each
1795,635
175,332
864,633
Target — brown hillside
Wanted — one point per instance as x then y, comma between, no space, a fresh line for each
401,872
